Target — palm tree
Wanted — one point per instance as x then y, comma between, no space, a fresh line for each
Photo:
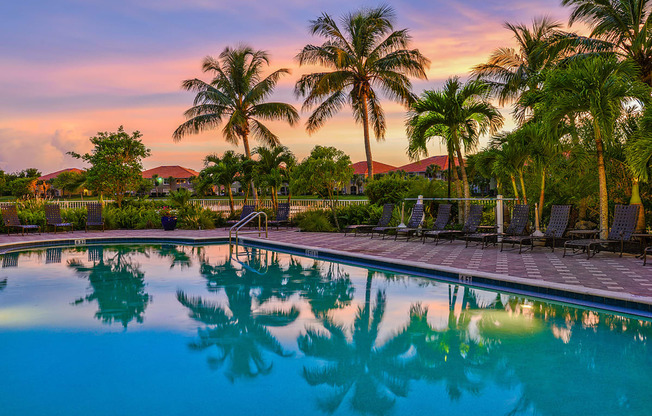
509,71
596,88
223,171
458,114
620,26
271,164
237,93
365,55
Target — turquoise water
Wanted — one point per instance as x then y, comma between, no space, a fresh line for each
179,330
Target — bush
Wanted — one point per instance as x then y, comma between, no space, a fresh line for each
389,189
314,221
359,214
194,217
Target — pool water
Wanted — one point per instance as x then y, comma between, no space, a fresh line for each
179,330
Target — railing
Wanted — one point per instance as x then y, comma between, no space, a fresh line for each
246,220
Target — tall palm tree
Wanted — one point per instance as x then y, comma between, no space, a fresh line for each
596,88
237,94
271,164
365,55
223,171
510,71
458,114
513,155
620,26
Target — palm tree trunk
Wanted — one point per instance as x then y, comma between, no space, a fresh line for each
245,142
602,184
520,176
367,142
542,194
231,200
515,188
465,179
636,200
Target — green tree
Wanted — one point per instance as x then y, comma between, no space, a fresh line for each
325,172
365,55
223,171
595,88
116,163
237,93
69,181
271,164
458,114
623,27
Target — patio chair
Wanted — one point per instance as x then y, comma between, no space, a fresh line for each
53,218
470,226
443,217
416,217
246,210
384,220
282,216
622,228
94,215
555,230
520,217
11,220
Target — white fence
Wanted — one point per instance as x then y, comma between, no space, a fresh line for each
222,205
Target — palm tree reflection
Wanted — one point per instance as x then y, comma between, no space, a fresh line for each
117,282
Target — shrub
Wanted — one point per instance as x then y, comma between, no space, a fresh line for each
314,221
359,214
389,189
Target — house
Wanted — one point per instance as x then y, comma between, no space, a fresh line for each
356,186
421,167
44,183
170,178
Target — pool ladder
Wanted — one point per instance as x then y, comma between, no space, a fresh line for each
246,220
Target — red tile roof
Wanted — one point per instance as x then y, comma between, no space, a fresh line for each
421,165
57,173
360,168
176,172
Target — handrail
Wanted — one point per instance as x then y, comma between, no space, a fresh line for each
238,225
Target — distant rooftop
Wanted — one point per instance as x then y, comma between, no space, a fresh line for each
176,172
360,168
57,173
421,165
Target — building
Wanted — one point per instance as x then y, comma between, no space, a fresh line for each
356,186
420,167
170,178
44,183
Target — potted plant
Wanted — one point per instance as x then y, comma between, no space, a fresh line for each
168,218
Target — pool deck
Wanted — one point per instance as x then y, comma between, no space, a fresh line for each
606,274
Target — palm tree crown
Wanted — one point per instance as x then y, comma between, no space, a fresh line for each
237,93
365,55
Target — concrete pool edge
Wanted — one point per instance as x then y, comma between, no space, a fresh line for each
626,303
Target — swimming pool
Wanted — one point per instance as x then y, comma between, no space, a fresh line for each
173,329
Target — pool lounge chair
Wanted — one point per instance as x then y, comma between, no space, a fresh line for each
443,217
416,217
282,216
555,230
520,217
246,210
11,220
470,226
622,228
53,218
94,216
384,220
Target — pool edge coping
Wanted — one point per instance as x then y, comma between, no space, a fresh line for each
494,281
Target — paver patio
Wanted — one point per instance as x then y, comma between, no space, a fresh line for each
606,271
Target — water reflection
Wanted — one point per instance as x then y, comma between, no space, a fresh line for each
10,260
117,283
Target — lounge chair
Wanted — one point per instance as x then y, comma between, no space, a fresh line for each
416,217
11,220
384,220
470,226
53,218
94,215
622,228
520,217
555,230
443,217
246,210
282,216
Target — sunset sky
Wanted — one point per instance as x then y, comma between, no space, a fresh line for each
73,68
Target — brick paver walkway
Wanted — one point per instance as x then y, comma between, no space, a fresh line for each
606,271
